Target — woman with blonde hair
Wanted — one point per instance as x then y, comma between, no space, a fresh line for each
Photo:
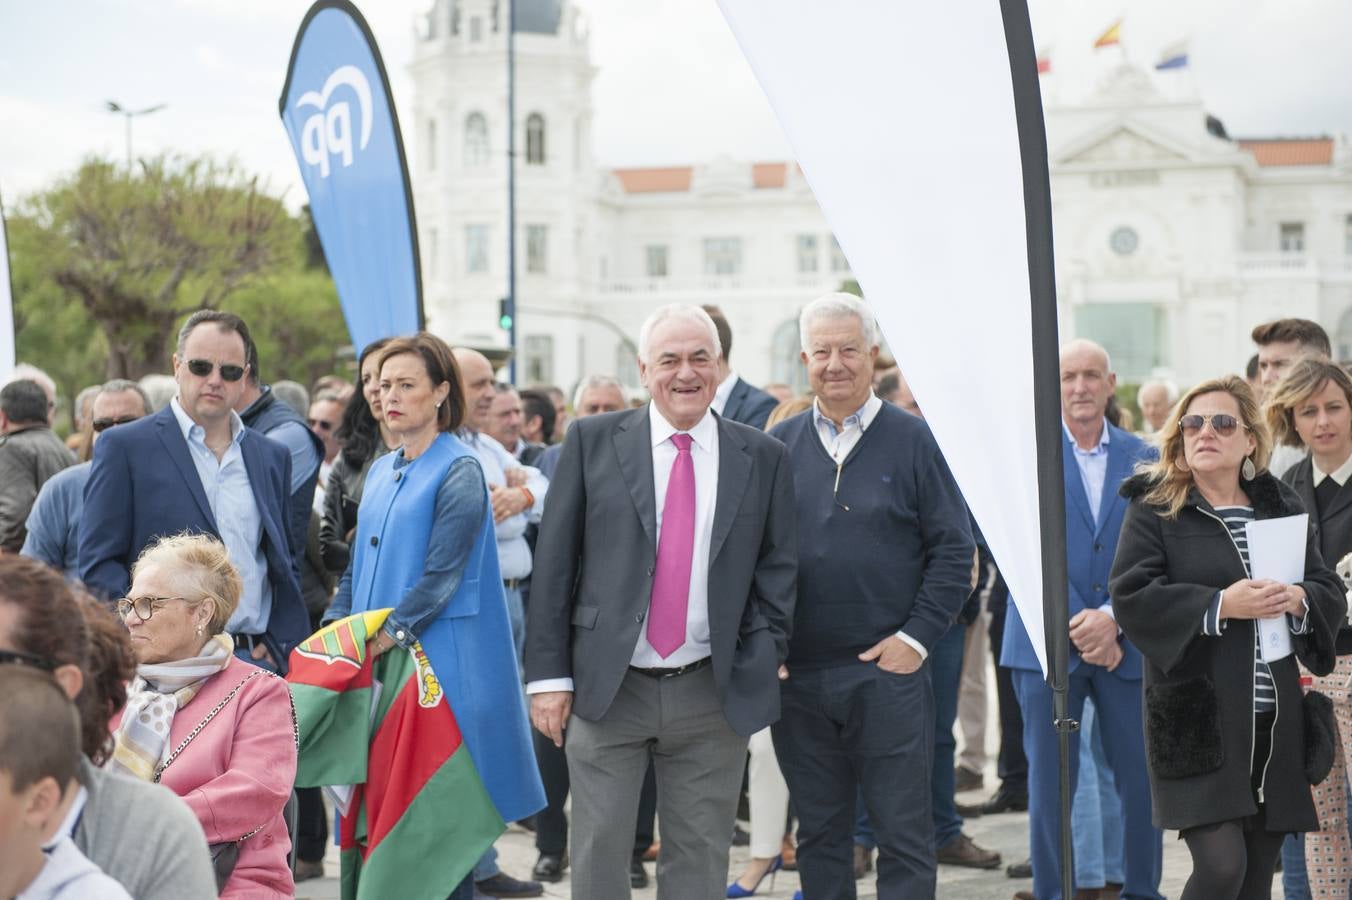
216,730
1224,720
1311,407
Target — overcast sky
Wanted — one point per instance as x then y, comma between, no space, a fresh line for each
671,86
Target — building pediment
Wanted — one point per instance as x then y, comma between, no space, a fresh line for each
1123,144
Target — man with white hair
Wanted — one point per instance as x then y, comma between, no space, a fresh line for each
659,615
1155,398
595,394
886,558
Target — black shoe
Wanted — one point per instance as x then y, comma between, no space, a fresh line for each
1020,869
504,885
966,780
549,867
970,810
740,838
1005,801
638,876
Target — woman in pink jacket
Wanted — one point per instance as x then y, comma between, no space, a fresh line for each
216,730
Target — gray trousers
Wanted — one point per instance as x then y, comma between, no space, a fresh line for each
698,759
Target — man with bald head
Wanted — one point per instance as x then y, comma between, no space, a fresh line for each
518,494
1104,666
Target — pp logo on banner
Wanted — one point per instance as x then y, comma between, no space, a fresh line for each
329,131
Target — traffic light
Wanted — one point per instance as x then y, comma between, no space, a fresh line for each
505,314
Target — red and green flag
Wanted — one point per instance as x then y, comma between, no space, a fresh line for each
418,816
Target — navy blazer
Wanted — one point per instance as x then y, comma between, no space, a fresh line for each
1090,548
749,405
144,485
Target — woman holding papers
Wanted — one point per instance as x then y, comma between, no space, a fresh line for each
1312,407
1192,589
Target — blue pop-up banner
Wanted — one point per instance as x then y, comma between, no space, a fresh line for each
339,113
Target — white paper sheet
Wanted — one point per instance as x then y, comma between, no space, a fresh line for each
1277,551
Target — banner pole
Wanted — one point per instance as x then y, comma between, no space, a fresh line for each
8,350
511,190
1046,397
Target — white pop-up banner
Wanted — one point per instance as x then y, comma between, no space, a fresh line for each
902,117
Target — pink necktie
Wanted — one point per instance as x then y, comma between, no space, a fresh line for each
675,547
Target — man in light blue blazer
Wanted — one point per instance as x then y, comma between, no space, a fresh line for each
1103,664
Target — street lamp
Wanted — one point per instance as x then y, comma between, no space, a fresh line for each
115,107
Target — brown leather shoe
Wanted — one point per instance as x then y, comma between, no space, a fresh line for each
863,861
1087,894
963,851
650,855
1024,895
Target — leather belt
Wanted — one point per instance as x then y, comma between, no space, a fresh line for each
511,584
672,673
248,641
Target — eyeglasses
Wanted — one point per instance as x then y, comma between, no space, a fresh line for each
202,368
105,424
836,490
27,659
320,424
143,606
1223,424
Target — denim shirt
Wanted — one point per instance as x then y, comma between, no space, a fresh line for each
54,522
462,503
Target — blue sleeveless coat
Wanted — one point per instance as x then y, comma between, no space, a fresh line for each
469,643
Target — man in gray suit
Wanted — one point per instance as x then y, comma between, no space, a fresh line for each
660,610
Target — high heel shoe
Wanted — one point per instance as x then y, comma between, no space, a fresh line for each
736,890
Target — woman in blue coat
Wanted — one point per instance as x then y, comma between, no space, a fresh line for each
425,546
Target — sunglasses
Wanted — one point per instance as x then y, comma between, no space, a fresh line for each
105,424
320,424
27,659
144,607
1223,424
202,368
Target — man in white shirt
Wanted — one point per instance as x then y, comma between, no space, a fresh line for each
1280,345
659,613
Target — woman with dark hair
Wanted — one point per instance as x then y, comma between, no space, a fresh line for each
426,546
1224,720
365,438
139,834
1311,407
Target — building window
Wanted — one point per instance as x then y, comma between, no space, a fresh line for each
535,140
838,261
538,358
431,145
476,29
537,249
1134,334
656,260
786,365
1347,236
807,253
1293,237
476,248
476,140
433,251
722,256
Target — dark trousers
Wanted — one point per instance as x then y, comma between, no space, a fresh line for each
551,823
850,727
1011,763
312,824
945,665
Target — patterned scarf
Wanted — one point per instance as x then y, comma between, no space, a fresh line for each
158,691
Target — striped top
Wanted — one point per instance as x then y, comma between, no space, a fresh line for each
1264,692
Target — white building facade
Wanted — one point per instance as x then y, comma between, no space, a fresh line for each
1172,240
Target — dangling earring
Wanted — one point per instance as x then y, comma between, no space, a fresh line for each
199,630
1249,471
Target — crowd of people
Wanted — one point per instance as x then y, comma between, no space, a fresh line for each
647,610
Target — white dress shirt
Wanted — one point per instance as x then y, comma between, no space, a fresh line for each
704,454
723,393
514,557
839,442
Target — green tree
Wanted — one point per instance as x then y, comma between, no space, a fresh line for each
297,323
141,249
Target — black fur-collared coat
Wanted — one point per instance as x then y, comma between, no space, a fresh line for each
1199,689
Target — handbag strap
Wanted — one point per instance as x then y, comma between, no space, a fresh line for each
159,770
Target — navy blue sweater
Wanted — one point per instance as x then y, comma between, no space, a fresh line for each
899,559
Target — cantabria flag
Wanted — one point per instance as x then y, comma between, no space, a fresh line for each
418,816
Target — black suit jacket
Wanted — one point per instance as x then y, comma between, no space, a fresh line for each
749,405
595,559
1335,526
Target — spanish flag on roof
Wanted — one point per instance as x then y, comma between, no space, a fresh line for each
1110,37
